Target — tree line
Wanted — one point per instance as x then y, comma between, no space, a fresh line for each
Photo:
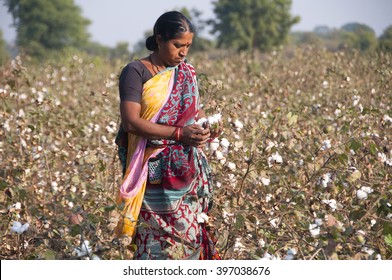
46,28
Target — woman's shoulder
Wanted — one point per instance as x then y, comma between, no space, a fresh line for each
136,67
134,64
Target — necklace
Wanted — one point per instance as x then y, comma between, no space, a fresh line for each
154,67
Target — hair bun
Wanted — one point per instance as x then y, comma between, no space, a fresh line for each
151,43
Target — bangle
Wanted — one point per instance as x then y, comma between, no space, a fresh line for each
178,133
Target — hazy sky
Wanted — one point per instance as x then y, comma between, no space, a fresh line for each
127,20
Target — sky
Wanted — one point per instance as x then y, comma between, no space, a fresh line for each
115,21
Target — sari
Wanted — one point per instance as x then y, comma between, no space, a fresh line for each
167,185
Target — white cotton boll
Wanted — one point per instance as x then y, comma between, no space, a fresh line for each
214,144
218,155
265,181
231,166
23,143
274,222
83,249
238,125
331,203
267,256
356,100
222,161
21,113
291,254
201,121
325,84
292,251
214,118
326,145
224,143
261,243
238,246
387,118
104,139
18,206
367,189
325,179
6,125
314,230
361,194
382,157
268,197
318,221
274,158
202,218
18,228
289,257
25,227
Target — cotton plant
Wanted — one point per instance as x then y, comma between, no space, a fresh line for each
326,145
212,121
363,192
84,249
290,254
331,203
275,158
268,256
325,180
238,246
314,228
19,228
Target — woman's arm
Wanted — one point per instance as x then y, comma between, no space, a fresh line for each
130,116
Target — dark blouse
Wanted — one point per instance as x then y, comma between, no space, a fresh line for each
131,81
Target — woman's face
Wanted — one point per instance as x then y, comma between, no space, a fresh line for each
174,51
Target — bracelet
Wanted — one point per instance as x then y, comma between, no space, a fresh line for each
178,133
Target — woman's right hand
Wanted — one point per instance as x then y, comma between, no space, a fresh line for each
195,135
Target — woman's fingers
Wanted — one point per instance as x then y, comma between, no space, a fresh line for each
195,135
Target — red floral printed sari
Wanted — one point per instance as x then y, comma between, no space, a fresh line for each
174,179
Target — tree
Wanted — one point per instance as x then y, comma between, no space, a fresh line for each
120,51
4,55
359,36
385,40
252,24
44,25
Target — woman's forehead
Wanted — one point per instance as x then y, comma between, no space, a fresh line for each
185,38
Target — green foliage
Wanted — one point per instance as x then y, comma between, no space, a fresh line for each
4,55
385,40
252,24
45,26
352,36
359,36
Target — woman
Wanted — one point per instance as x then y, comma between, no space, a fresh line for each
166,189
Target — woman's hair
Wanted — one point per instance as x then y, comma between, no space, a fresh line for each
169,26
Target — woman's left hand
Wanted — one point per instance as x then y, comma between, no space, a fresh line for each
195,135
